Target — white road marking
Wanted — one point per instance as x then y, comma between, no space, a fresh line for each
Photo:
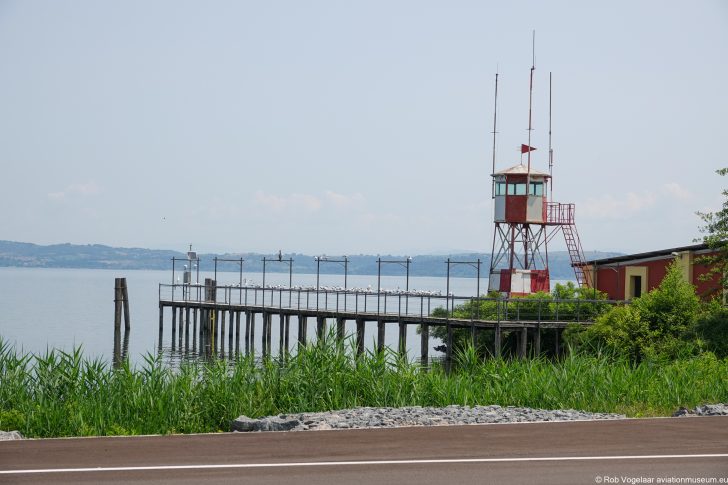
355,463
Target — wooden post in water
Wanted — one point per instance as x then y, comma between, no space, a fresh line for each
230,332
187,321
380,335
537,340
302,330
287,333
125,298
424,343
448,345
252,332
181,327
187,329
247,331
497,344
237,330
557,347
194,332
281,331
174,327
320,328
263,339
161,324
121,304
359,335
402,344
340,329
222,328
523,343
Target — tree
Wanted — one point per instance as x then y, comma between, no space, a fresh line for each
716,237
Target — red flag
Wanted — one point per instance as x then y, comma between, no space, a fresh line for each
526,148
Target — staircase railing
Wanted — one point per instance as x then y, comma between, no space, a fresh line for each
563,215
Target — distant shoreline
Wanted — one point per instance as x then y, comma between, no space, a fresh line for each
97,256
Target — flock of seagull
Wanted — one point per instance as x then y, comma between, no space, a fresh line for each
250,284
335,289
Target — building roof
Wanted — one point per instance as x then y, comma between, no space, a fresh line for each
650,254
520,169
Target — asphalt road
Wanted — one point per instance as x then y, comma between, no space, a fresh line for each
677,450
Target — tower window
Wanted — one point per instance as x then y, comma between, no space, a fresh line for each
536,188
517,189
500,188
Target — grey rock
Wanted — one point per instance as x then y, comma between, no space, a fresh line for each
704,410
10,435
712,410
683,411
274,423
367,417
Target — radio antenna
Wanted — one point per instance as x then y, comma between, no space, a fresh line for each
530,104
551,150
495,119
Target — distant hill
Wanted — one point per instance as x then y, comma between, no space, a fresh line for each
97,256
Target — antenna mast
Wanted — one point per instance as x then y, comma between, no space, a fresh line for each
495,114
530,104
551,150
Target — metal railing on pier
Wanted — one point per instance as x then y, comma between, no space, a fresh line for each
389,303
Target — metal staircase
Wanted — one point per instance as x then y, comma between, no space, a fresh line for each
576,253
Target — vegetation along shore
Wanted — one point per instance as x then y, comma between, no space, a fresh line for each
662,352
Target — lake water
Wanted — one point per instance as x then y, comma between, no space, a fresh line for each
48,308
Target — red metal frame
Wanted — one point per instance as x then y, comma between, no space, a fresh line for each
558,213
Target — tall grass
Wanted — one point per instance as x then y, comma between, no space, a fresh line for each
63,394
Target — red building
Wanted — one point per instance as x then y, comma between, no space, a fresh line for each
627,277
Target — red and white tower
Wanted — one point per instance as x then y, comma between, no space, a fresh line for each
519,261
525,221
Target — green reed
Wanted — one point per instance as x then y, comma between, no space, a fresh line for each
63,394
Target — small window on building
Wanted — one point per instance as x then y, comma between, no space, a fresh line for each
537,188
500,188
517,189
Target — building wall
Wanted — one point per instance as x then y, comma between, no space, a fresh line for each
614,279
608,281
704,288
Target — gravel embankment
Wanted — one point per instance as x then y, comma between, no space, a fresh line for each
422,416
410,416
705,410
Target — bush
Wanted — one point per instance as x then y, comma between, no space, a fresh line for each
659,325
712,327
672,308
566,303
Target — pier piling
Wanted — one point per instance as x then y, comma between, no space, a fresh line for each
359,336
121,304
302,330
424,343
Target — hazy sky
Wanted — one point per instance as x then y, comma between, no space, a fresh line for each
346,127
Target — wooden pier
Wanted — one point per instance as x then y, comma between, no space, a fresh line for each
212,314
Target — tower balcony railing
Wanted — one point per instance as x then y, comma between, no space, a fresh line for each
558,213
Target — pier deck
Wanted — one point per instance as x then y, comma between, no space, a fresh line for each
215,307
